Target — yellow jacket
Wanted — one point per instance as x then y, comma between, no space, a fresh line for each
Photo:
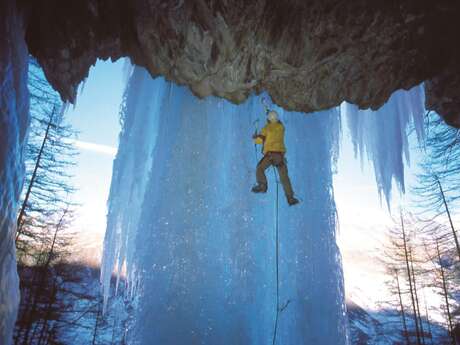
272,137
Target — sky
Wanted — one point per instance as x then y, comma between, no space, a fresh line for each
95,117
362,218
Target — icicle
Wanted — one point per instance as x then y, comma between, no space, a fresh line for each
130,174
382,136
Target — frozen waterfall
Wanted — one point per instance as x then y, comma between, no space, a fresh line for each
199,247
14,121
382,136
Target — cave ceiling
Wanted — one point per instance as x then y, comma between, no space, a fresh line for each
308,55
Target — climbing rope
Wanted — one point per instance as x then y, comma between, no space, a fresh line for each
279,309
256,130
275,330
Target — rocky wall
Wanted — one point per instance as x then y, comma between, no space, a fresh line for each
309,55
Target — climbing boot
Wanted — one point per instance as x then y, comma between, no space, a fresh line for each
260,188
292,201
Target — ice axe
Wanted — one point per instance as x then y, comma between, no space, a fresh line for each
264,103
256,125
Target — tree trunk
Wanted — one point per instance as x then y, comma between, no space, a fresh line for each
445,293
44,272
406,333
32,179
430,332
457,245
419,315
97,324
406,256
52,299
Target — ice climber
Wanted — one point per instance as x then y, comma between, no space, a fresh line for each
272,139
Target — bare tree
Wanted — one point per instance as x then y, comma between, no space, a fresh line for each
438,187
49,155
408,263
58,297
442,150
401,306
435,203
43,220
403,265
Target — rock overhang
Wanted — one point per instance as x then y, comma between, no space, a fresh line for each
308,55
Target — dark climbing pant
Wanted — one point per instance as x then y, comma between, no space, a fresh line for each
276,159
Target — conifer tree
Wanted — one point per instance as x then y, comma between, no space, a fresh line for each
44,219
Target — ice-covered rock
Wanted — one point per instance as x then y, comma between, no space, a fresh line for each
14,118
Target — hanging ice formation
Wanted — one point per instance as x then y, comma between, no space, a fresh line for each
382,135
199,247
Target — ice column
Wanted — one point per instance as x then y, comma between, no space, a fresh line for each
14,119
199,247
139,117
382,136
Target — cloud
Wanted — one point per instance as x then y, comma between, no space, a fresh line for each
98,148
